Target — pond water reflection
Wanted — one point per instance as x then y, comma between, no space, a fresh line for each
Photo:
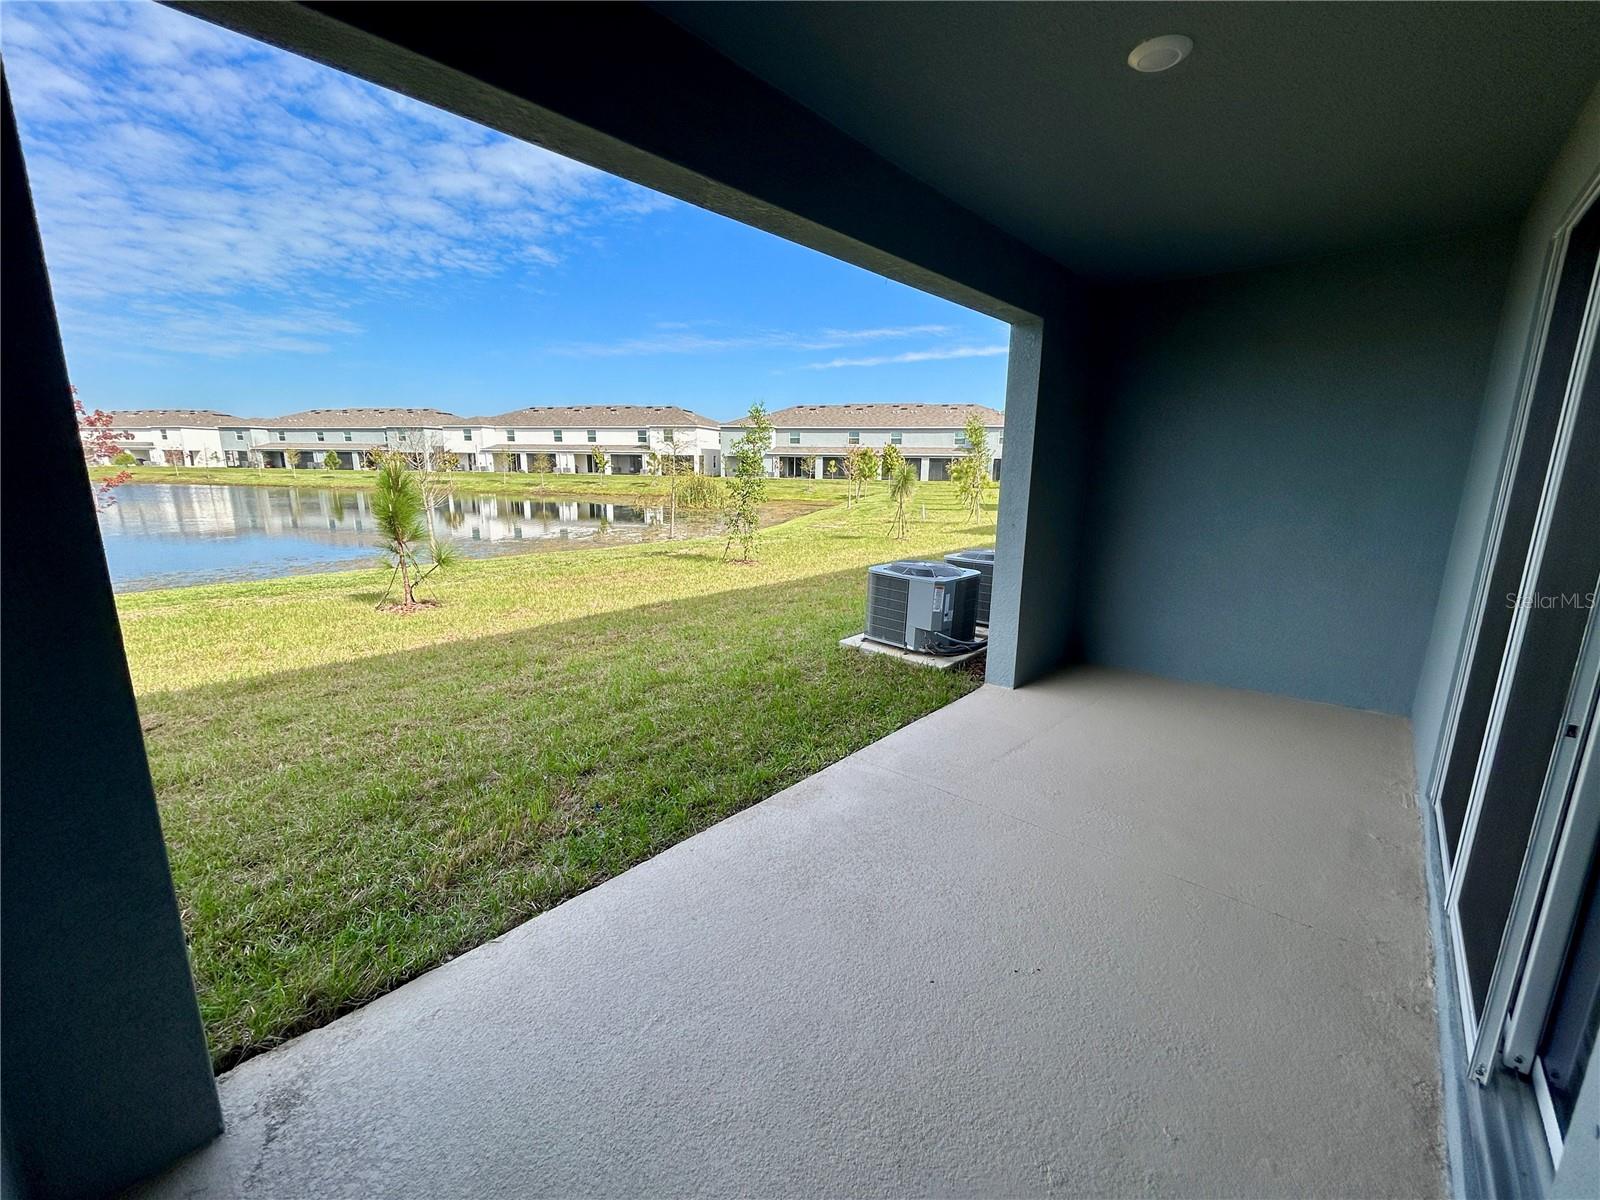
173,535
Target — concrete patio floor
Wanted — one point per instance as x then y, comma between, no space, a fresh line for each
1105,935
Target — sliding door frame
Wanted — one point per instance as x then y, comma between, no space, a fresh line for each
1481,653
1546,555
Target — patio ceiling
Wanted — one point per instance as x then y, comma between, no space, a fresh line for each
1293,130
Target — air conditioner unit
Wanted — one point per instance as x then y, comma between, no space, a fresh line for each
981,561
921,605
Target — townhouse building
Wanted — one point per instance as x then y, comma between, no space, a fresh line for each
572,439
813,439
351,434
618,439
181,437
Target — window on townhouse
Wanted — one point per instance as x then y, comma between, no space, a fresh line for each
511,435
163,435
347,436
644,437
282,436
589,435
894,438
556,435
794,438
321,436
961,438
466,435
855,437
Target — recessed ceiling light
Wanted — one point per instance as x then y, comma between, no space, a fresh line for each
1160,53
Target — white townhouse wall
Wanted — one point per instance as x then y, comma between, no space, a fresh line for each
350,434
570,436
582,438
464,439
930,436
173,436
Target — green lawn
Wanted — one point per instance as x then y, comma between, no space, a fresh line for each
351,797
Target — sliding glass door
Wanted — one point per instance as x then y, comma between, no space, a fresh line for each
1526,698
1569,275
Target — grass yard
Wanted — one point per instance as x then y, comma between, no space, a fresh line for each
351,797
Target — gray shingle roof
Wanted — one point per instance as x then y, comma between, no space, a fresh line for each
365,418
178,418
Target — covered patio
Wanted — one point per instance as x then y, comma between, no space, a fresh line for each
310,454
1300,425
1016,948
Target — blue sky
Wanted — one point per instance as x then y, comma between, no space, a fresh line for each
229,226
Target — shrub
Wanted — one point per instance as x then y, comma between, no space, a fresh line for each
123,458
861,467
970,472
742,513
704,492
330,461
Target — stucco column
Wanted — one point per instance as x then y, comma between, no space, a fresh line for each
922,469
107,1077
1037,543
816,467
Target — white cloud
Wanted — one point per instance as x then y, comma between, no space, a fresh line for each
185,176
675,339
911,356
218,329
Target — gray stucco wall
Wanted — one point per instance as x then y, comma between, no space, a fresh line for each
1279,466
1573,170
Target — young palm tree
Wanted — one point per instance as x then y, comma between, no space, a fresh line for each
901,486
400,511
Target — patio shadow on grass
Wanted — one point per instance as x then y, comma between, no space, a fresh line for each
337,830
